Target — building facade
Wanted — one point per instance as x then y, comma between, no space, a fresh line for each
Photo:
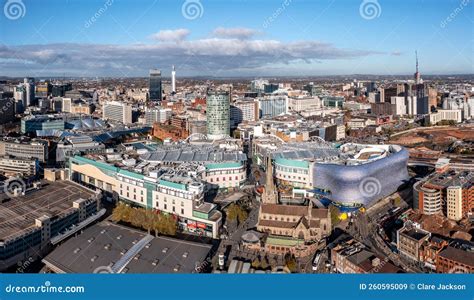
218,115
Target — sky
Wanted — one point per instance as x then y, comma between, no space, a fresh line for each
256,38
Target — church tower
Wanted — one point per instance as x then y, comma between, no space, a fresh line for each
270,195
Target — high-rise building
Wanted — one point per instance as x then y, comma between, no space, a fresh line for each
245,110
29,84
157,115
60,89
117,111
155,85
43,89
218,115
173,80
273,105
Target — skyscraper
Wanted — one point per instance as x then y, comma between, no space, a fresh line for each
173,80
29,84
155,85
218,114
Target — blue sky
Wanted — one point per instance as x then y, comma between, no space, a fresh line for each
236,38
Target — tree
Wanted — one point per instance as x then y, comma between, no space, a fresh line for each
334,211
291,263
146,219
256,263
236,213
119,212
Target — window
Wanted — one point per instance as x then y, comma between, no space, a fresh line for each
166,207
182,211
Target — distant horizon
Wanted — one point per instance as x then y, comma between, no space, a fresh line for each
244,76
119,38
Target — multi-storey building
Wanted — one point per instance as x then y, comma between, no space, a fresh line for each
272,106
18,167
37,149
218,115
454,203
157,115
117,111
450,192
155,89
31,223
303,104
162,189
410,239
241,111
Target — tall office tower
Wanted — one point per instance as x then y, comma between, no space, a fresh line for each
117,111
218,114
29,84
173,80
155,85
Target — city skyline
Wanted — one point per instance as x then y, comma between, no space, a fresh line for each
207,38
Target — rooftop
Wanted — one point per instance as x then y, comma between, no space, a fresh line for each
18,214
103,244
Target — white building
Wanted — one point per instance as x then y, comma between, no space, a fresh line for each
303,103
117,111
400,107
272,106
446,115
157,115
242,111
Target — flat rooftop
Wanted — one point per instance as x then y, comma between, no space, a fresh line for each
103,244
18,214
463,179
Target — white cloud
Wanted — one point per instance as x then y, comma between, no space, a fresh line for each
234,33
173,35
207,56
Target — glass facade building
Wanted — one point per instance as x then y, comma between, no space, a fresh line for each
155,85
218,115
